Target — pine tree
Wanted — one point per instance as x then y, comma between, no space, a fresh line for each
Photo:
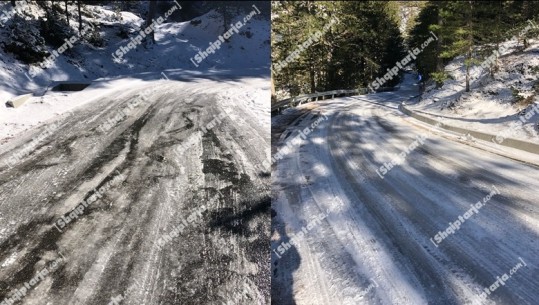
473,29
361,46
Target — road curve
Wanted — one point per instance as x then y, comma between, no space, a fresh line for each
212,199
368,237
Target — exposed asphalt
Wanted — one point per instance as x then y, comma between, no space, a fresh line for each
214,195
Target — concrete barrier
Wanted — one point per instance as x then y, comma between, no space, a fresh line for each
18,100
508,142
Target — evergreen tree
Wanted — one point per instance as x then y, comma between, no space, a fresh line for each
351,52
473,29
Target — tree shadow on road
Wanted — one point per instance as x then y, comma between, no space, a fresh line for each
283,266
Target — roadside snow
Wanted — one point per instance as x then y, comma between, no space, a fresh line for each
490,106
247,54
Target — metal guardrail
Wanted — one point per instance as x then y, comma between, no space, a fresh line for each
509,142
294,101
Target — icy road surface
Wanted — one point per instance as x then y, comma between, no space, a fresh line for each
365,237
214,197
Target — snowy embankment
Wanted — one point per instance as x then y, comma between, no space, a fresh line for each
176,43
500,106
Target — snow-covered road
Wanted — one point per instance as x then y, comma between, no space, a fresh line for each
212,199
366,235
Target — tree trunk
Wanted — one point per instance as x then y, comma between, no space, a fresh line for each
224,12
439,44
525,12
80,17
467,78
152,8
494,69
439,47
272,85
67,13
470,46
311,78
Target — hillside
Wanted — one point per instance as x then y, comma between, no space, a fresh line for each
93,58
494,104
176,44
